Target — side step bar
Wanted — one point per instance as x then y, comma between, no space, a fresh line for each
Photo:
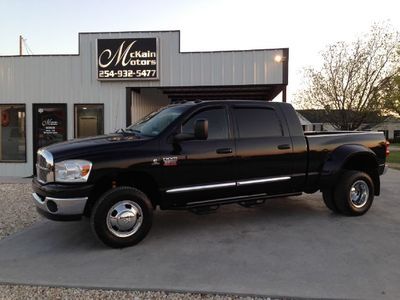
239,199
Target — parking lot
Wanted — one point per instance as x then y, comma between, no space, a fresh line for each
288,247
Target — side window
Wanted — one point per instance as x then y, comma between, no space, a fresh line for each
257,122
217,123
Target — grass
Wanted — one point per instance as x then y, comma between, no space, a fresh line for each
394,157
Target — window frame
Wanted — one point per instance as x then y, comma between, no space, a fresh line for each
26,146
75,116
250,106
210,107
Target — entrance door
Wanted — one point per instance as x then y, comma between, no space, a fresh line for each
49,125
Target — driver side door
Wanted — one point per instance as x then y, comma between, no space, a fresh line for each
204,168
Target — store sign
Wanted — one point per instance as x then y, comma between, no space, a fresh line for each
132,59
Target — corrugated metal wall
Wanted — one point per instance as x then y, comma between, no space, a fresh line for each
147,101
72,79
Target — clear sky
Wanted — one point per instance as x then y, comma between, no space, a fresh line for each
306,27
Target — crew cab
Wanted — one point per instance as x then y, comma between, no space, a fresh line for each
198,155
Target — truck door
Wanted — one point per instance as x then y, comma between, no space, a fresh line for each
264,151
202,169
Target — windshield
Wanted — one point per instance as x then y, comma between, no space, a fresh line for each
154,123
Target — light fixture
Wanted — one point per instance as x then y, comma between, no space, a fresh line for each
84,107
278,58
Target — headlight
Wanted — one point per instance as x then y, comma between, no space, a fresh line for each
75,170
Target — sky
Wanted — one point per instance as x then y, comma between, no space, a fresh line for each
306,27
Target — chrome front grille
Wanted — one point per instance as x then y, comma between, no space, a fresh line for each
44,166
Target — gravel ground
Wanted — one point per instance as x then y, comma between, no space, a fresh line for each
16,208
17,212
39,292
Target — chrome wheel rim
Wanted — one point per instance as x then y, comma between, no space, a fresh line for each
124,218
359,193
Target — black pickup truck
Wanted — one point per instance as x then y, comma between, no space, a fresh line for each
198,155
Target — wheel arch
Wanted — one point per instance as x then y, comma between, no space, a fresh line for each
137,179
350,157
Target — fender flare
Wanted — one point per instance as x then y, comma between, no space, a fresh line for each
334,165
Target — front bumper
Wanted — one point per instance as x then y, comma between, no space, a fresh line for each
60,202
60,208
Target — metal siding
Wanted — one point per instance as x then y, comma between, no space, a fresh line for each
72,79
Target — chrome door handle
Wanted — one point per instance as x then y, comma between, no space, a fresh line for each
283,146
224,150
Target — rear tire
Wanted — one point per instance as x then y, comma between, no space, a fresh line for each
354,193
122,217
328,197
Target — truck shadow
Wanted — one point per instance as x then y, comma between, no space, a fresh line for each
231,221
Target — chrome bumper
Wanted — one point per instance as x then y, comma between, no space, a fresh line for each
385,169
60,206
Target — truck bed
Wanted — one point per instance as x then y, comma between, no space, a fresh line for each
320,145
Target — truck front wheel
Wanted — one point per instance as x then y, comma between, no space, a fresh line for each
354,193
122,217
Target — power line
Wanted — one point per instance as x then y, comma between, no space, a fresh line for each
28,49
23,43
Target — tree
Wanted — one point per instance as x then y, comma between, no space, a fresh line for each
391,96
352,78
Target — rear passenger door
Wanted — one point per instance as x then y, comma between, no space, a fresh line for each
263,149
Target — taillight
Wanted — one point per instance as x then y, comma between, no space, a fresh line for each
387,143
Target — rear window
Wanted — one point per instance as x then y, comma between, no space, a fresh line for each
257,122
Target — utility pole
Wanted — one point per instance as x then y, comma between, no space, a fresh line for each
21,39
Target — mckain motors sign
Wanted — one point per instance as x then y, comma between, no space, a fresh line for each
132,59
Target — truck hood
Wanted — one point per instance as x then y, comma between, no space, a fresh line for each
88,148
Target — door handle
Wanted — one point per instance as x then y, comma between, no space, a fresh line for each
224,150
283,146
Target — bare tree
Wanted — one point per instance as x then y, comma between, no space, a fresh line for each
352,77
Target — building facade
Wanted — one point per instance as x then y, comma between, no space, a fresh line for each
114,80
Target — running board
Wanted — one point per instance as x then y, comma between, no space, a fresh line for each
222,201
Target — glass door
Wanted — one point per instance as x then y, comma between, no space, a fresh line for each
49,125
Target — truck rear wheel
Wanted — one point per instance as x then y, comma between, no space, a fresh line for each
327,195
354,193
122,217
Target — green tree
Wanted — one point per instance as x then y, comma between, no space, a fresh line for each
353,77
392,96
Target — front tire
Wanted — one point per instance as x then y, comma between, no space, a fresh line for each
354,193
122,217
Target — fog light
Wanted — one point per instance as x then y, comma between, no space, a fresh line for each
51,206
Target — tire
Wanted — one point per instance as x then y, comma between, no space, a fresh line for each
122,217
360,186
327,195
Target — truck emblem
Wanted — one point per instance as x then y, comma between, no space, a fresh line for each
170,161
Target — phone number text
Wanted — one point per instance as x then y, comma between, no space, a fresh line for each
127,74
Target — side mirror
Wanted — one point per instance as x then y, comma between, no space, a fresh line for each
201,129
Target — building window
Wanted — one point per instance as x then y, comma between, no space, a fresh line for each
12,133
89,120
396,136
